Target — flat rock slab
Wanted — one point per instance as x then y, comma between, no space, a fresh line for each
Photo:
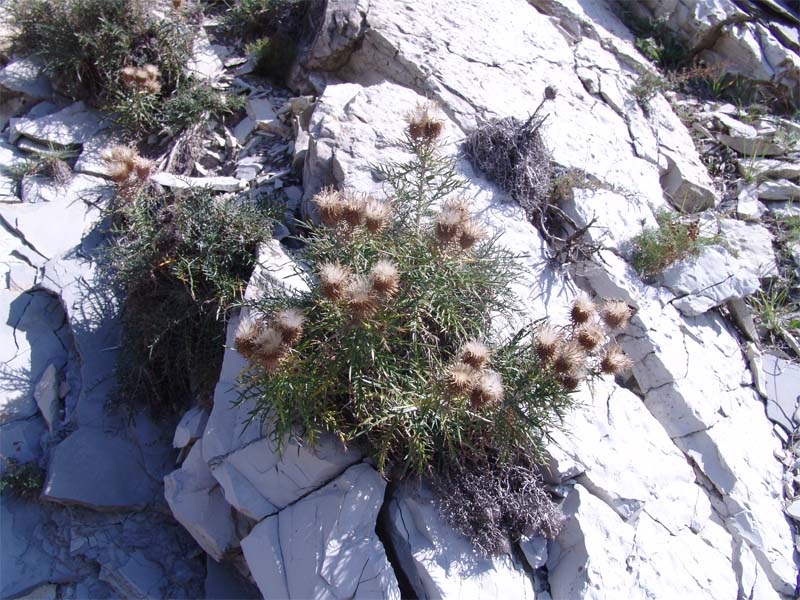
782,383
325,546
72,126
780,190
100,471
25,76
181,182
706,281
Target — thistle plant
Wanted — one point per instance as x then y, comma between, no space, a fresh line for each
394,349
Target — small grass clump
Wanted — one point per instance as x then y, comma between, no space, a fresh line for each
120,56
392,350
180,264
24,480
674,239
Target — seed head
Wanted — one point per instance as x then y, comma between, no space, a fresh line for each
570,381
376,215
333,279
461,378
361,298
488,389
118,154
570,358
142,167
582,309
448,225
151,71
330,206
589,336
475,354
247,333
119,171
128,75
615,314
422,125
289,323
615,361
152,86
353,209
269,348
546,341
384,278
471,234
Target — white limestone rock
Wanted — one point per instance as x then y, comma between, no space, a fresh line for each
20,440
780,190
100,471
706,281
324,545
768,167
74,125
24,76
205,62
183,182
197,502
752,246
190,427
782,389
441,563
46,396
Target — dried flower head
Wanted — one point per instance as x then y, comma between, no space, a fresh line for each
119,171
488,389
471,234
118,154
546,341
353,209
361,298
422,125
142,167
333,280
151,71
330,205
475,354
269,348
589,336
570,358
384,278
582,309
247,333
289,323
376,215
448,225
615,314
570,381
461,378
152,86
615,360
128,75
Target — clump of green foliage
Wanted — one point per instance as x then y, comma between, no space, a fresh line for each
674,239
180,264
391,347
22,480
118,55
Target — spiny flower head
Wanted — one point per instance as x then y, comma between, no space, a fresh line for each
142,167
615,314
384,278
422,125
330,205
546,341
247,333
615,360
376,215
475,354
571,381
461,378
488,389
448,226
269,348
289,323
589,336
361,298
333,280
582,309
471,234
353,209
570,358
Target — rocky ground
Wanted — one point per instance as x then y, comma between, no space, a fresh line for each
678,481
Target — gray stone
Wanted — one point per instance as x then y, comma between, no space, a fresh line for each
182,182
248,168
205,62
752,146
752,246
223,582
767,167
706,281
747,205
20,441
793,510
137,579
782,387
197,503
24,76
342,29
100,471
779,190
76,124
325,544
535,551
46,396
243,129
190,427
440,563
